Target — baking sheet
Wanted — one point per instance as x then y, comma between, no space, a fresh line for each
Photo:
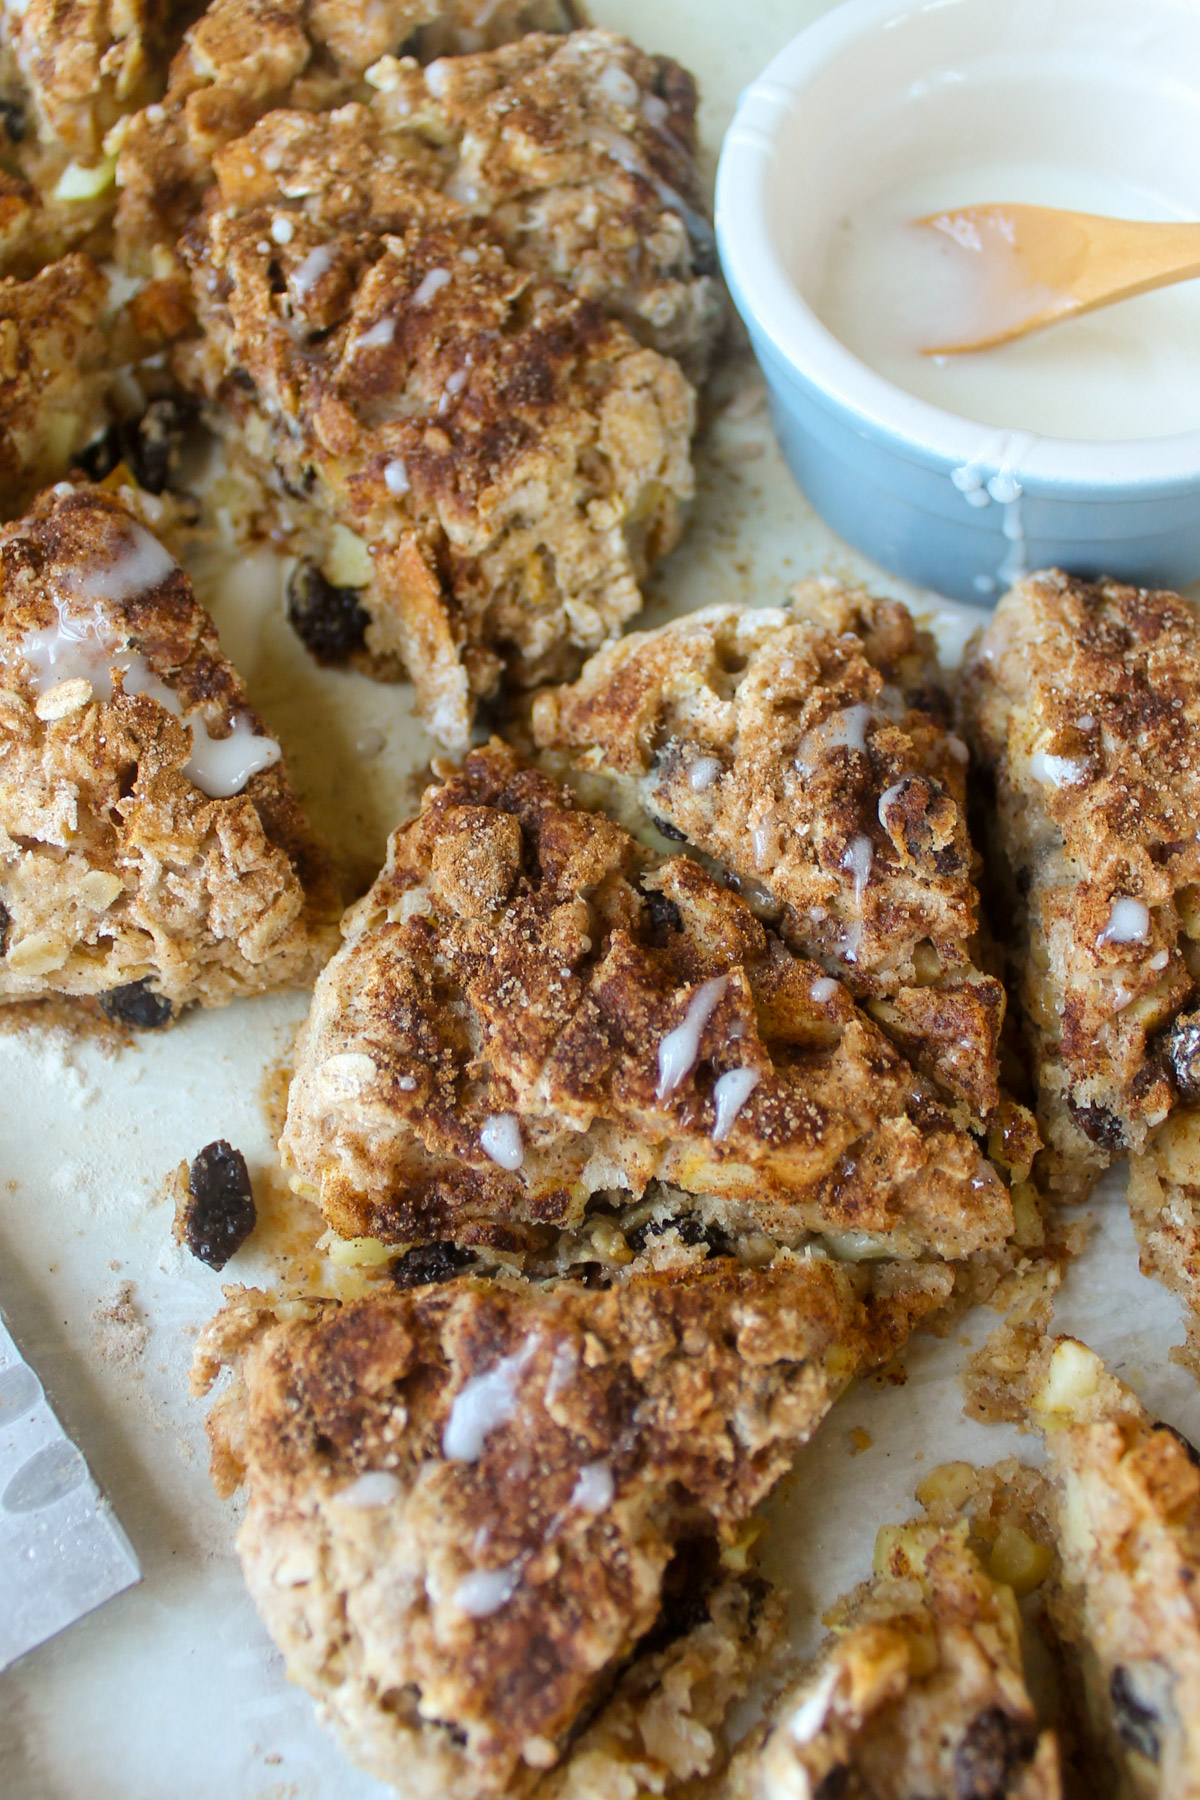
174,1689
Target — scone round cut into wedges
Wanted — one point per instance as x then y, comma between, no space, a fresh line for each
243,58
806,750
486,461
531,1011
1124,1509
152,853
1083,703
920,1695
465,1502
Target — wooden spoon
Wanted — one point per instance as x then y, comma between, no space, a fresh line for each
1051,264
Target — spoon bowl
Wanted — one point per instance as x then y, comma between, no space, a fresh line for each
1044,264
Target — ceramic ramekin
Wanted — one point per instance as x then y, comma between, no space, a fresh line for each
834,116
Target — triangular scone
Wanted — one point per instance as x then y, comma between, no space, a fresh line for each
244,58
71,75
1083,703
532,1012
477,462
920,1695
1124,1509
465,1502
152,853
1164,1202
806,750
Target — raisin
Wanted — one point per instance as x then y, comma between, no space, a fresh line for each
1098,1124
686,1585
154,443
328,620
1189,1449
668,830
12,117
1182,1046
691,1231
426,1263
5,922
137,1004
219,1215
833,1785
991,1751
1136,1723
102,455
665,916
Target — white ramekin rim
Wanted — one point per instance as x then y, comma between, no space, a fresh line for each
772,307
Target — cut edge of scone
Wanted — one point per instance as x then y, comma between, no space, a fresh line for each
804,750
921,1690
542,1041
1082,704
152,851
469,1505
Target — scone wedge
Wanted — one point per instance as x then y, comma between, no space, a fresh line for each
540,1035
152,852
806,751
919,1695
495,1526
1082,702
448,413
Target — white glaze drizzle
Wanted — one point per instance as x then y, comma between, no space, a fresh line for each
379,336
730,1093
1058,771
377,1487
430,286
395,476
1128,922
500,1138
484,1591
317,263
679,1049
823,989
594,1488
703,772
483,1404
856,860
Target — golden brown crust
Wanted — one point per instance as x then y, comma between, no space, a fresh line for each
1124,1508
806,750
116,868
523,1464
73,73
53,352
1083,702
920,1695
243,58
514,460
521,958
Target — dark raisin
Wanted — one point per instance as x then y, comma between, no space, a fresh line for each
833,1785
1193,1455
668,830
691,1231
244,379
1024,879
155,443
1183,1052
5,922
426,1263
137,1004
1137,1724
686,1585
1098,1124
665,916
328,620
991,1751
12,117
219,1215
102,455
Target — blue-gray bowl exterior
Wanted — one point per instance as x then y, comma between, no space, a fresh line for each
895,501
